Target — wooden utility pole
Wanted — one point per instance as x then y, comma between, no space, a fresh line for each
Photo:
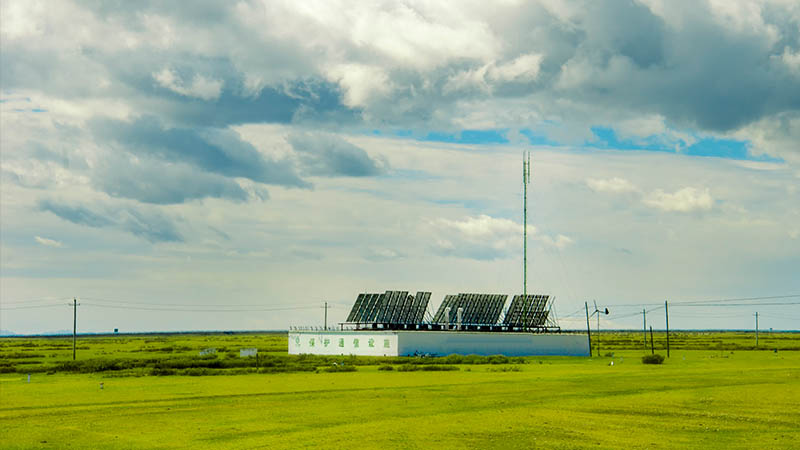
756,329
588,328
74,325
597,311
644,326
666,312
652,348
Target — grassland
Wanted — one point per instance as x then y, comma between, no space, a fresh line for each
724,395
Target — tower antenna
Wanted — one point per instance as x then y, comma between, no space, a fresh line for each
526,178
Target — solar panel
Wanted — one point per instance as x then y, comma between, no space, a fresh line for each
477,309
421,305
446,303
400,308
382,310
402,316
527,311
371,311
354,313
401,311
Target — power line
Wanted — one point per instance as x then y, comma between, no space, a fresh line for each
32,307
739,304
142,308
774,297
34,300
719,300
157,304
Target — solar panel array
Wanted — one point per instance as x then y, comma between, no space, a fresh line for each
477,309
528,311
394,307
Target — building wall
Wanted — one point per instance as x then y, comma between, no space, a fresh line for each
509,344
343,343
402,343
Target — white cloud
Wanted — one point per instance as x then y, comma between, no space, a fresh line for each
687,199
383,254
361,83
791,59
777,135
560,241
48,242
485,238
481,237
523,68
615,185
201,87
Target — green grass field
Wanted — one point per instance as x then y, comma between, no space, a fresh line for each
721,397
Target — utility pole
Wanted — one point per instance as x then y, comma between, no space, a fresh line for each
597,311
644,326
652,348
666,312
74,325
588,328
326,316
756,329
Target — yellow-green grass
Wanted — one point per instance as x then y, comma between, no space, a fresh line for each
697,399
139,355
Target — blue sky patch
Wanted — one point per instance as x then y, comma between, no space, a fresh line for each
469,137
604,138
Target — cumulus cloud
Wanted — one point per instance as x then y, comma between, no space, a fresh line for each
378,254
360,83
145,160
326,154
200,87
48,242
147,223
697,67
776,135
219,151
485,237
791,59
559,241
150,180
684,200
615,185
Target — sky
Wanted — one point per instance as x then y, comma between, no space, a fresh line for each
234,165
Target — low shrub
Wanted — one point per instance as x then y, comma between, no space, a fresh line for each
20,355
426,367
504,369
339,368
386,367
653,359
498,359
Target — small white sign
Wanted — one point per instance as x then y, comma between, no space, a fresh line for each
248,352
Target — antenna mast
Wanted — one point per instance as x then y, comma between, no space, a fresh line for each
526,178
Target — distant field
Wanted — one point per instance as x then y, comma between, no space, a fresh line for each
718,397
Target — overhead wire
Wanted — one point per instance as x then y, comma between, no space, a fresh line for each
34,300
221,305
33,306
144,308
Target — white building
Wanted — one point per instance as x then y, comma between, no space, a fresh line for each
438,343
